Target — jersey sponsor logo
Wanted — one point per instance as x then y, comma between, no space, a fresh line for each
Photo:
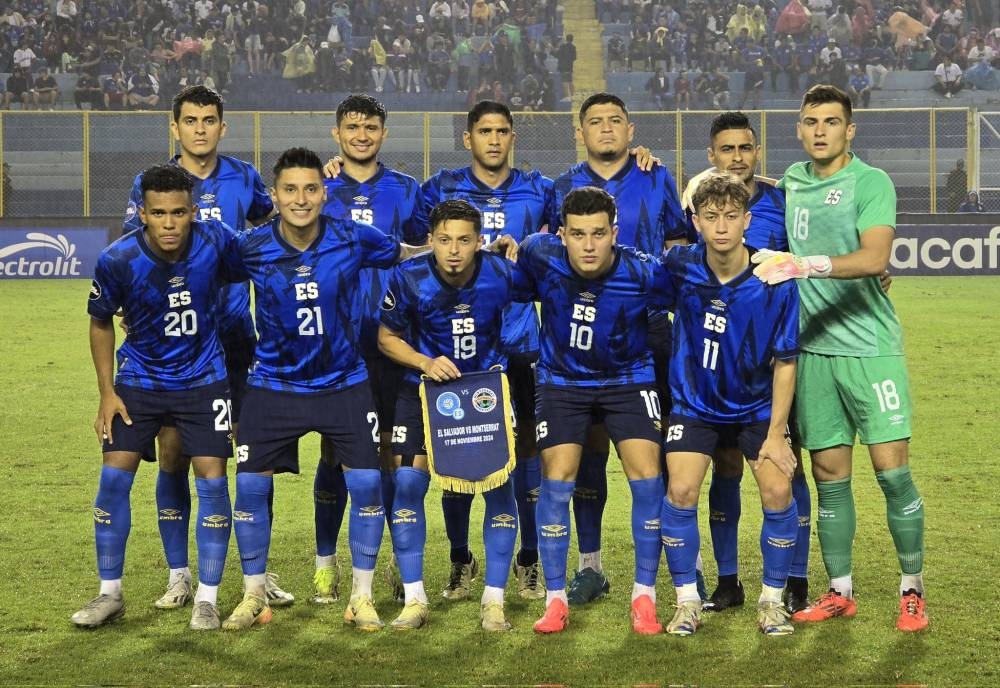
131,210
176,282
42,262
448,404
463,308
388,301
95,291
587,296
494,202
484,400
360,200
718,304
303,270
208,198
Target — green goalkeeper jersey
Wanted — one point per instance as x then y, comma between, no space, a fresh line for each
828,216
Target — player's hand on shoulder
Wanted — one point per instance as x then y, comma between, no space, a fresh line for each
644,158
111,406
692,186
505,246
770,181
331,170
440,369
778,451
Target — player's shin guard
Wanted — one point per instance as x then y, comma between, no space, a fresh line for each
836,522
215,516
803,503
681,541
647,496
589,499
367,516
777,544
329,504
552,516
408,522
456,507
173,509
905,511
112,520
388,483
252,521
499,533
527,479
724,510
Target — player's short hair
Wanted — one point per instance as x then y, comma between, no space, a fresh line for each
730,120
487,107
363,104
297,157
456,209
601,98
196,95
820,94
589,200
718,190
166,178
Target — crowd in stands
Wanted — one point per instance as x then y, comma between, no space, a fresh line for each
136,53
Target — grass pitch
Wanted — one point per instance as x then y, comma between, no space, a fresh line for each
50,461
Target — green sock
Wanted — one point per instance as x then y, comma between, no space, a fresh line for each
905,512
836,522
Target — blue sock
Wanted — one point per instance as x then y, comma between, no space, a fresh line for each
457,507
589,500
215,523
681,541
803,501
724,521
388,491
252,521
112,520
499,533
329,504
527,477
173,509
367,516
408,523
647,495
777,544
552,515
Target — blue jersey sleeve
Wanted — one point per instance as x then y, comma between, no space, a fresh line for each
395,313
378,250
132,221
786,340
672,220
261,205
105,291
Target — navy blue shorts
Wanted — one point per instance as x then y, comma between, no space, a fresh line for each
272,422
521,378
687,434
201,415
564,414
660,340
385,378
408,432
239,356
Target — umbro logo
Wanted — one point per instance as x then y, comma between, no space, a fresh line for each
652,524
587,296
913,507
242,516
718,304
208,198
176,282
360,200
781,543
216,519
170,512
324,497
494,202
554,530
303,270
98,511
374,510
503,518
825,513
463,308
672,541
405,513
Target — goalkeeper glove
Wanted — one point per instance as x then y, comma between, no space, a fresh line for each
774,267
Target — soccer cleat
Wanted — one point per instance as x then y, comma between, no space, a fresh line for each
555,619
101,610
829,605
325,581
796,594
254,609
395,581
687,618
178,594
726,595
588,585
644,616
276,597
773,619
205,617
361,614
460,580
493,619
413,616
912,612
527,581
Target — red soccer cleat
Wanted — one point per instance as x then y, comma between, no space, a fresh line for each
644,616
555,619
829,605
912,613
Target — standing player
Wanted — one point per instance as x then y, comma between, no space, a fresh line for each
594,367
230,191
457,288
308,374
852,374
732,379
649,218
515,204
165,277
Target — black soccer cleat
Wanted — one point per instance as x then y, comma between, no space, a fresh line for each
796,595
726,595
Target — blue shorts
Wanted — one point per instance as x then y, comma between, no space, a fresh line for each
687,434
521,378
408,432
272,422
385,378
564,414
239,356
201,415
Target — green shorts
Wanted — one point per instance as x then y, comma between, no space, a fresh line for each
841,397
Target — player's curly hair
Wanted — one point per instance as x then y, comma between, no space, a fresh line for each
166,178
298,157
362,104
719,190
196,95
589,200
456,209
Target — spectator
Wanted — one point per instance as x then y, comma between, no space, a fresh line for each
682,91
875,57
753,82
482,15
566,56
859,87
300,64
380,68
463,59
981,74
24,56
115,92
831,51
837,73
971,203
820,9
503,60
720,89
955,185
617,53
920,59
438,67
658,86
399,63
88,91
738,22
949,78
661,48
143,90
20,89
839,27
784,60
46,90
638,54
758,24
326,77
946,43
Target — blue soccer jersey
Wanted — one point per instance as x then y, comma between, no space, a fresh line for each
390,201
649,210
519,207
308,318
462,323
725,339
767,220
233,193
171,308
593,331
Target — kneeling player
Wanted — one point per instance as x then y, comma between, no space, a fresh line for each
732,380
166,278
